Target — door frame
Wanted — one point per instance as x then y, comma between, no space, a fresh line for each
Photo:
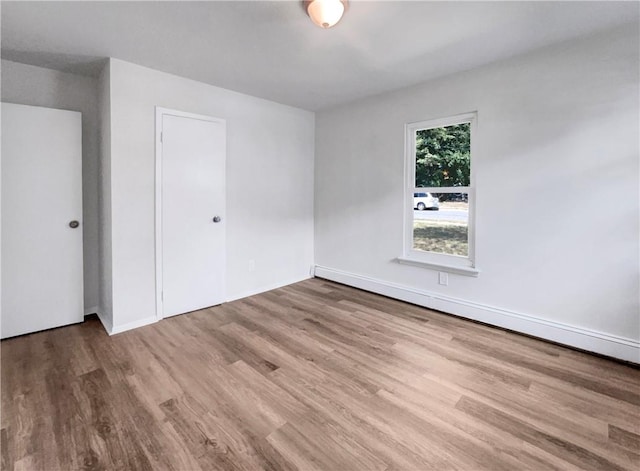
160,112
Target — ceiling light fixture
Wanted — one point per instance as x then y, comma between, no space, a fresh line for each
325,13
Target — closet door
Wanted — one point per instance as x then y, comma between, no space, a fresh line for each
42,285
192,198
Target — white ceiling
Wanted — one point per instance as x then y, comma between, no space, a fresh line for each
272,50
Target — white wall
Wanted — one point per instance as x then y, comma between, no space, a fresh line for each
105,305
557,192
269,213
37,86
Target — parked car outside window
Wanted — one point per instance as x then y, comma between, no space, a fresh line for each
422,201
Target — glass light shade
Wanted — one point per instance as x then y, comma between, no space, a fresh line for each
325,13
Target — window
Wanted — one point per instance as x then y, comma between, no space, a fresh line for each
440,194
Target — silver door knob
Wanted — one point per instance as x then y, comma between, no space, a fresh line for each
217,219
74,224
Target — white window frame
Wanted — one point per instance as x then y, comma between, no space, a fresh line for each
442,262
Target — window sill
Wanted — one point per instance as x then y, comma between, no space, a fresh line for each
465,271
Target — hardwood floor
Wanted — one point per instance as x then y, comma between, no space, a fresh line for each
313,376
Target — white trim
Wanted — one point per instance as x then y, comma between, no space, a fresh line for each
442,189
117,329
90,310
427,258
263,289
447,121
106,324
458,270
158,211
113,330
160,112
585,339
431,259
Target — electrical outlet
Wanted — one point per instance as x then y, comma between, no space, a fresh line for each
443,278
252,265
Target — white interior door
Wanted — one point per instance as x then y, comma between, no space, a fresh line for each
42,284
193,261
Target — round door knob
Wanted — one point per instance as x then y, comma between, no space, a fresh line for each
74,224
217,219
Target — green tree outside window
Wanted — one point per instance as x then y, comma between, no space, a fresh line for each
443,156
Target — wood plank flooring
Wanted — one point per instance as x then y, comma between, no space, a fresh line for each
313,376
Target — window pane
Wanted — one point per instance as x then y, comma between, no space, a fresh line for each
441,223
443,156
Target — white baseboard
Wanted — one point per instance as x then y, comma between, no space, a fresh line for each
105,322
264,289
117,329
578,337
